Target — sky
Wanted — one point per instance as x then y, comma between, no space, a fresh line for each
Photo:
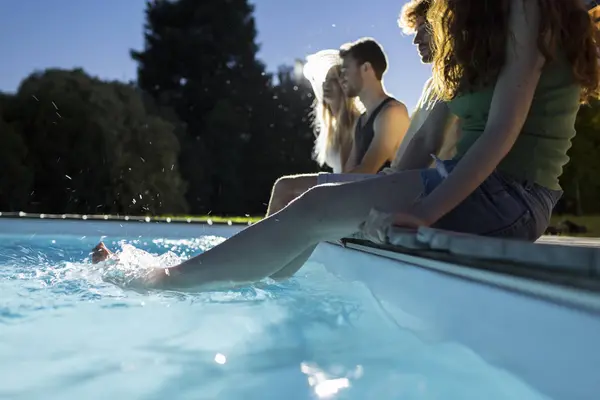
97,35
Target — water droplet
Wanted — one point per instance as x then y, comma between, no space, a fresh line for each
220,359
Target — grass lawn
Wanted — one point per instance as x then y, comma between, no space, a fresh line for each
591,222
213,218
175,218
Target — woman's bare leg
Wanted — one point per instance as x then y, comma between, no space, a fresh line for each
287,189
294,266
325,212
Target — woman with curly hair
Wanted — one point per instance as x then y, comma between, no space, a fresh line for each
515,72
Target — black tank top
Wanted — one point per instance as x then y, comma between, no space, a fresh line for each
363,134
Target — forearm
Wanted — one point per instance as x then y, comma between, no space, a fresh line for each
427,140
348,166
350,162
417,155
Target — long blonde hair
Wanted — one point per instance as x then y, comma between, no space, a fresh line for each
334,131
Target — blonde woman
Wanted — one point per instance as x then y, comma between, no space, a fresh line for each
334,112
335,115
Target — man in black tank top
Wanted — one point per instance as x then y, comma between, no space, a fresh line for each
364,133
380,130
377,134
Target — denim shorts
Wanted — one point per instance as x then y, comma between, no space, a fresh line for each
501,206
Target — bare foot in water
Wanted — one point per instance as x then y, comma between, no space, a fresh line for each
100,253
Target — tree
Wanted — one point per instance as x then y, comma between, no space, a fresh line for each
200,60
17,179
93,147
580,180
284,143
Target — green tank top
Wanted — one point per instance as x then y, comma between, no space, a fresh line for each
540,151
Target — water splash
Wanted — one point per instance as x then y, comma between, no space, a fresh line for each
132,264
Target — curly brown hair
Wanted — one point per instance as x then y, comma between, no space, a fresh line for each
470,43
412,11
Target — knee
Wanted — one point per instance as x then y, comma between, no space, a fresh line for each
283,189
282,184
315,201
293,186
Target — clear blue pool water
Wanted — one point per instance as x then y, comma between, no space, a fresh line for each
68,332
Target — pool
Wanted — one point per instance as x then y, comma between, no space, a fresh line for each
349,325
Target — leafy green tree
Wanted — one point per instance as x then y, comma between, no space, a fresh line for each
17,178
581,177
93,147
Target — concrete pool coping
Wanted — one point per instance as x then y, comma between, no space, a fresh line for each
566,261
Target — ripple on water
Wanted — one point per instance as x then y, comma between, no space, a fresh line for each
67,331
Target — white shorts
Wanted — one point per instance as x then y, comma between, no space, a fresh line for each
326,177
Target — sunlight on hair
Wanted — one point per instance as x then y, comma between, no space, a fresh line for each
316,68
298,70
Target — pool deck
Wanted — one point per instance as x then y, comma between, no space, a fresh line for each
561,260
